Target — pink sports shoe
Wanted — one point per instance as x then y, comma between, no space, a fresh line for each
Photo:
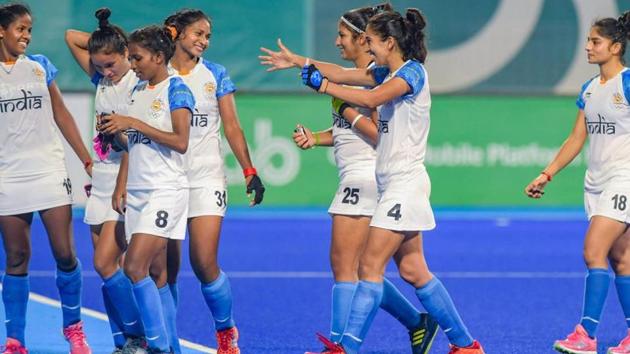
623,347
577,342
330,346
227,341
13,346
76,337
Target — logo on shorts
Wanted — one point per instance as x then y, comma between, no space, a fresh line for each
68,185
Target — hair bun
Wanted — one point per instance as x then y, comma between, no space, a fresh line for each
102,15
415,17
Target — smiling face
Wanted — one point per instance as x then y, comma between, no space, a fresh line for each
17,36
111,65
195,38
143,62
380,49
600,49
347,42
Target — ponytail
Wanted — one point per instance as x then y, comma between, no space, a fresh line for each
408,32
617,30
107,38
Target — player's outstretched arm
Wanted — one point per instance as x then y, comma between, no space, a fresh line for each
235,137
568,151
286,59
77,42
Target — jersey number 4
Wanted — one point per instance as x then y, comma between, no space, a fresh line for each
395,212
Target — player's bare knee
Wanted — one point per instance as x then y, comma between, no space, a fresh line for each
17,261
594,258
135,271
67,261
105,267
206,272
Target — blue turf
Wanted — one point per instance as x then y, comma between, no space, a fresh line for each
507,312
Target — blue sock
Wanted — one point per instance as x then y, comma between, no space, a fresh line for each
218,295
595,293
119,290
114,320
398,306
174,293
170,317
437,301
623,290
15,297
342,293
150,307
69,285
365,303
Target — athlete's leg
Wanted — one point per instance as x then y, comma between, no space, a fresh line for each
143,251
15,285
600,237
58,224
349,236
381,246
430,291
620,261
159,273
173,256
215,286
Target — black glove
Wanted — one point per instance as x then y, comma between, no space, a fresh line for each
255,185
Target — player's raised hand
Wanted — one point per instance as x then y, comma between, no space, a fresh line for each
303,137
282,59
535,189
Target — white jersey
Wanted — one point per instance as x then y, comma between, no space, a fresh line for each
403,126
112,98
29,142
208,82
607,113
354,153
152,165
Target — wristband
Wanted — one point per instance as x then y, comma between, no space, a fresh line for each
355,120
324,86
546,174
316,136
250,171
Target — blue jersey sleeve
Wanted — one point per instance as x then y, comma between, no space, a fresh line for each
224,83
413,74
180,96
49,68
580,100
96,78
625,83
379,73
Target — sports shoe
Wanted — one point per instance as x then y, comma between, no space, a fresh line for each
135,346
622,348
331,347
577,342
227,341
76,337
474,348
422,335
13,346
118,351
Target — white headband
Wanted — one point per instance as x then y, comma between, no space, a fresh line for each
352,27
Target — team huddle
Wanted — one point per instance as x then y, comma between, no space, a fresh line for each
158,173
